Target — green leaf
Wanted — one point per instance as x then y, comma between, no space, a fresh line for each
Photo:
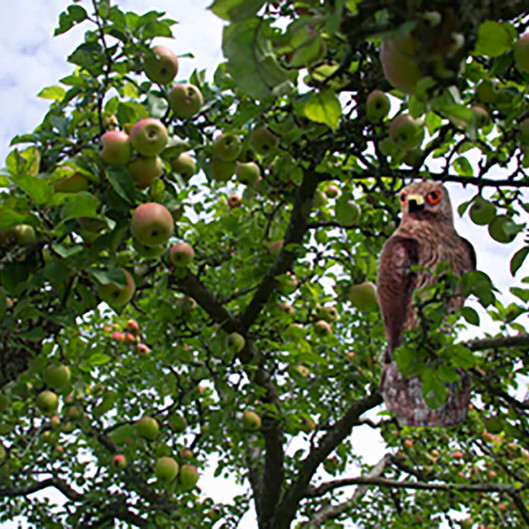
73,15
10,217
463,166
236,10
26,162
518,258
494,39
121,433
122,183
251,61
321,107
39,190
52,92
470,315
112,275
98,359
86,205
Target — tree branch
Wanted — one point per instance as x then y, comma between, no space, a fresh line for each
37,486
521,340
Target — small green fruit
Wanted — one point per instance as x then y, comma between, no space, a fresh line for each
227,147
251,421
57,377
235,342
47,402
147,427
166,468
363,296
188,476
378,105
263,141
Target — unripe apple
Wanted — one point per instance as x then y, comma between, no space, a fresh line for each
406,131
400,62
47,402
144,169
142,350
322,328
115,295
347,212
188,476
147,427
115,148
119,461
166,468
251,421
288,283
57,376
521,53
227,147
71,184
149,136
263,140
497,229
332,191
186,453
235,342
234,201
24,234
185,100
181,254
247,173
161,66
222,171
152,224
482,211
328,314
363,296
184,165
378,105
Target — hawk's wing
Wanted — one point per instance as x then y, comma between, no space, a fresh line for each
395,284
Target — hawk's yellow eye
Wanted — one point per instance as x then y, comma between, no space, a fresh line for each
434,197
403,199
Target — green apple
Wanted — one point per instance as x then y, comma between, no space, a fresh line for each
400,62
247,173
235,342
481,116
234,201
24,234
251,420
149,252
152,224
322,328
115,148
47,402
185,100
378,105
346,211
363,296
144,169
117,296
227,147
166,468
149,136
57,376
222,171
482,211
181,254
147,427
184,165
178,422
188,476
328,314
521,53
186,453
288,283
497,229
160,66
406,131
263,140
71,184
119,461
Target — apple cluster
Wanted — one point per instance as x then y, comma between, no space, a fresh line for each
130,335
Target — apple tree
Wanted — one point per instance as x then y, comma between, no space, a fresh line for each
187,271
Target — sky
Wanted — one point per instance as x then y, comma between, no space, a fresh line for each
30,59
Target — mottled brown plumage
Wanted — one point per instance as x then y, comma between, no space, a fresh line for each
426,236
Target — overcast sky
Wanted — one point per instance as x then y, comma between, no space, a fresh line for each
30,59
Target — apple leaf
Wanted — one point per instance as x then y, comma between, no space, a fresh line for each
73,15
52,92
463,167
321,107
86,205
518,259
470,315
494,39
236,10
9,217
39,190
109,276
251,61
122,433
26,162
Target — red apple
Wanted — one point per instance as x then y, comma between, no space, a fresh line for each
119,461
115,295
142,349
115,148
234,201
181,254
152,224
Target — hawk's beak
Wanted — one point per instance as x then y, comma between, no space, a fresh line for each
415,203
